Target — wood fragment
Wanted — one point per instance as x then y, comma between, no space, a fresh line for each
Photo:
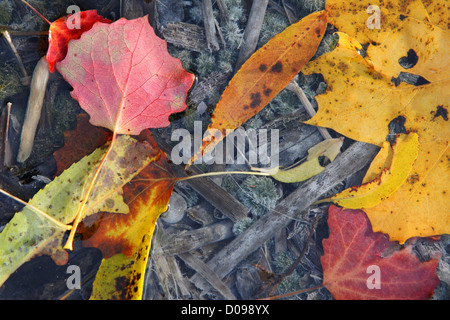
34,109
5,145
212,193
252,31
289,11
185,35
214,81
206,273
294,87
201,214
275,6
210,27
167,271
131,9
351,160
26,79
193,239
223,11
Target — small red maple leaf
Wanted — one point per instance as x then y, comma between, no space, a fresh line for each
61,33
353,266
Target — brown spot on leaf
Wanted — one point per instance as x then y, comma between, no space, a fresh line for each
267,92
256,100
318,32
262,67
277,67
120,284
441,112
413,178
109,203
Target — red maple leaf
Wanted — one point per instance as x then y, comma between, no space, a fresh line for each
61,33
353,266
79,142
124,77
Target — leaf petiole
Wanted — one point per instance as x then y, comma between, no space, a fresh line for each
211,174
38,13
80,213
38,211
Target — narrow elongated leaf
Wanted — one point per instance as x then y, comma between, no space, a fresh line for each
264,75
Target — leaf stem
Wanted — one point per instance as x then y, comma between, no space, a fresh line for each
293,293
38,211
38,13
80,213
210,174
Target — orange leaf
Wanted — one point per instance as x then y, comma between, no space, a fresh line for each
264,75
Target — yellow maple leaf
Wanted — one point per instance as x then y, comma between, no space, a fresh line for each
362,98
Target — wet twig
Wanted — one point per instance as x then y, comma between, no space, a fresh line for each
279,278
26,79
353,159
294,87
252,31
210,26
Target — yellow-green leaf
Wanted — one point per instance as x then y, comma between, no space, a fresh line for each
329,148
29,234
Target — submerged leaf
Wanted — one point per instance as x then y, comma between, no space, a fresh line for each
29,234
79,142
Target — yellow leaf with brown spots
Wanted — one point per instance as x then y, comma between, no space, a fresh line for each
263,76
121,277
364,95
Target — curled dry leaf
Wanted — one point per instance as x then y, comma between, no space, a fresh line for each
329,148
